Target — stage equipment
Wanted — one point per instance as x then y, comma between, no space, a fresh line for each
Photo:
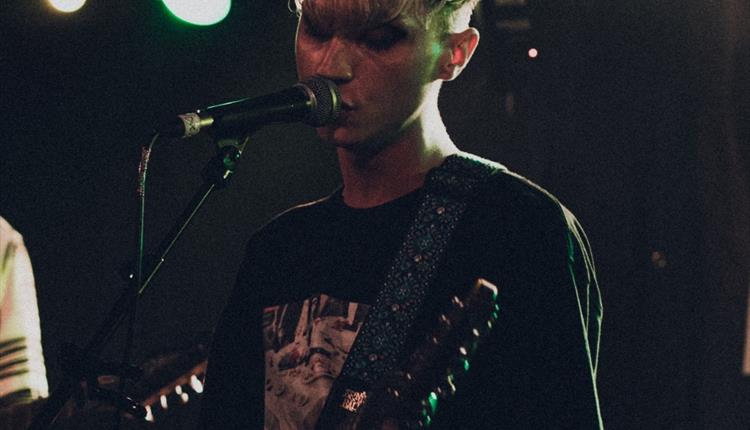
315,102
199,12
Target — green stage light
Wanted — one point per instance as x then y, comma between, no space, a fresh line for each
199,12
67,5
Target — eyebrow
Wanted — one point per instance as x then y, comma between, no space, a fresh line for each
393,25
358,27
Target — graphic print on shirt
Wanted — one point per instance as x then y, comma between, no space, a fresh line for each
305,346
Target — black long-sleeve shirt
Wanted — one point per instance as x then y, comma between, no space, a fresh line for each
311,274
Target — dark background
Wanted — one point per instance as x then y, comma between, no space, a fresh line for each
635,114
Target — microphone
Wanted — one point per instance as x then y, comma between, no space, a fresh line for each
315,101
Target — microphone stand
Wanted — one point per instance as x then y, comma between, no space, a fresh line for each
82,364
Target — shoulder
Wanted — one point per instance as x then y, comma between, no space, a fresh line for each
295,220
10,239
287,236
279,245
492,184
511,209
520,199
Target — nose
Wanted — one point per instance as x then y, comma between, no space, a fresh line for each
338,61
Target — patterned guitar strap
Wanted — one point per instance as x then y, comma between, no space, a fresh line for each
380,342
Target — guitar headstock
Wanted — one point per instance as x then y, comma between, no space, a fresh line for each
171,381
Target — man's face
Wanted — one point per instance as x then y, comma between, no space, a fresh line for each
383,72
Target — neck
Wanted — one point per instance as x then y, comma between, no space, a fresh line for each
399,168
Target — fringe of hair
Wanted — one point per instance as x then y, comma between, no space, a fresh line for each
448,15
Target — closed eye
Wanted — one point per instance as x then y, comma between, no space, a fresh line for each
383,38
315,32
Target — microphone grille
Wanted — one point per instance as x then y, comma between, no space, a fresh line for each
326,101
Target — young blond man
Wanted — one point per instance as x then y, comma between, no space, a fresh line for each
313,274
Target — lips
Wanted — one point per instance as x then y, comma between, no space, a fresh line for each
343,117
347,106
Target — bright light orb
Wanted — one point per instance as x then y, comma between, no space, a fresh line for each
199,12
67,6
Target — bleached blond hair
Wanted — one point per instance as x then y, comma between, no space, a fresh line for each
448,16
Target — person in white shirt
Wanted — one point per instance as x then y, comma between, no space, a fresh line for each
22,372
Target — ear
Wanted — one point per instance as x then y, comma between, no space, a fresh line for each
459,47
